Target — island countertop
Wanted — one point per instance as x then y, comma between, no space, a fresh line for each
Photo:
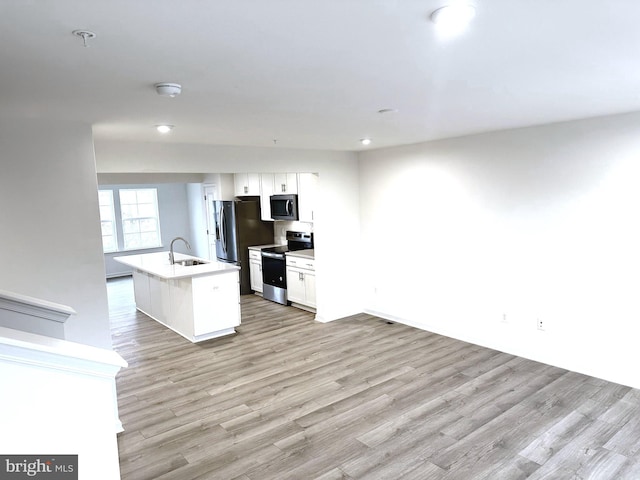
158,264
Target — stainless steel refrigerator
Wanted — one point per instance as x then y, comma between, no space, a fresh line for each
239,226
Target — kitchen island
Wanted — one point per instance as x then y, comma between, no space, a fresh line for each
198,299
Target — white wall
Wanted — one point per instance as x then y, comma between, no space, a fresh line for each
536,223
51,241
337,223
224,182
60,397
198,221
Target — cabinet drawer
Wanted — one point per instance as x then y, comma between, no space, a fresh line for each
255,254
299,262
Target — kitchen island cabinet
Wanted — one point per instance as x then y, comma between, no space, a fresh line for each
199,302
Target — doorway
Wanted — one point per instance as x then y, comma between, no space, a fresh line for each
210,195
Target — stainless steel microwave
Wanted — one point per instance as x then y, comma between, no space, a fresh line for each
284,207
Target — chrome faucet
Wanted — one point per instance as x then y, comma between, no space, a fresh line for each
171,259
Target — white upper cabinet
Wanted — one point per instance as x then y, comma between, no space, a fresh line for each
247,184
267,184
266,190
307,186
285,183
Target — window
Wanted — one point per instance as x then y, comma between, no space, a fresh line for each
136,210
140,223
107,221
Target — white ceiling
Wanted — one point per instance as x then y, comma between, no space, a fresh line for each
314,73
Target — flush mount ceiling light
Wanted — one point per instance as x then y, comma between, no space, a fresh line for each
365,141
164,128
168,89
453,19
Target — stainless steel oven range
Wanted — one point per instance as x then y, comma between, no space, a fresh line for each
274,272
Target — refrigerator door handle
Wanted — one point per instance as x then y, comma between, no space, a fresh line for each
218,223
224,233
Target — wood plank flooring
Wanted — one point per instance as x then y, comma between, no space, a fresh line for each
289,398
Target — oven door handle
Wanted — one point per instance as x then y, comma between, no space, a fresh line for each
273,255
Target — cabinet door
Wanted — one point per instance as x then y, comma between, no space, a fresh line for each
285,183
310,289
182,306
253,180
241,184
295,285
141,291
266,190
216,303
246,184
307,184
160,299
255,270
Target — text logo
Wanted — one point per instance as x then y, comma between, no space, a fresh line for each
46,467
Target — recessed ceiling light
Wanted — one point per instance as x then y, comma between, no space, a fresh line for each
453,19
164,128
365,141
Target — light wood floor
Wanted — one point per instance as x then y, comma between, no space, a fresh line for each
289,398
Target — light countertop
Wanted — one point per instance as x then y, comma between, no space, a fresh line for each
260,247
309,253
157,264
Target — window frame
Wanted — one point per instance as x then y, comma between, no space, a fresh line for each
112,221
139,219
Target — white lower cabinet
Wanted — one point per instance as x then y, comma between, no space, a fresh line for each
255,270
310,289
216,305
301,281
160,298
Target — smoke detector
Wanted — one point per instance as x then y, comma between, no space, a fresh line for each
168,89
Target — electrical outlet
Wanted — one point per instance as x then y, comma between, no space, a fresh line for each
504,318
539,324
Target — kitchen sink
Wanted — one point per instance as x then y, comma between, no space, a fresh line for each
190,262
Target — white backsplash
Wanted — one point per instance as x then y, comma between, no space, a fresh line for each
281,226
